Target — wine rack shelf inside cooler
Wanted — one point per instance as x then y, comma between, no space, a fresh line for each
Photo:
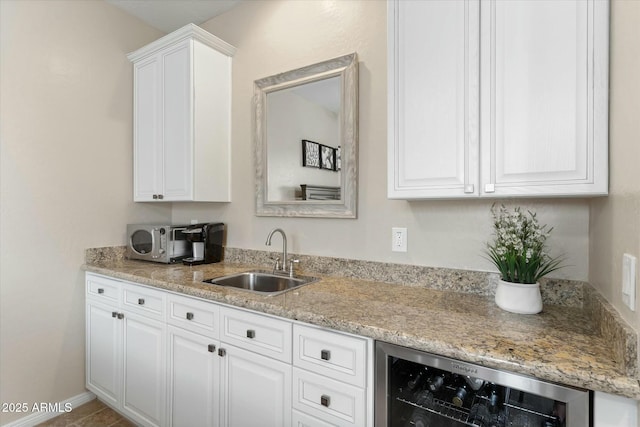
463,415
442,408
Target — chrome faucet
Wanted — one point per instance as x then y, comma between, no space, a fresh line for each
284,247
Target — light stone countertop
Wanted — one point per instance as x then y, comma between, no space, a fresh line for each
561,344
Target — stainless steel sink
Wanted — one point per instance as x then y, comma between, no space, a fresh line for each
264,282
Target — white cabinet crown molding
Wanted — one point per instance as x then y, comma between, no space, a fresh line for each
189,31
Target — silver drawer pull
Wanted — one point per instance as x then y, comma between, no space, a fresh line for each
251,333
189,316
325,400
211,348
100,291
140,301
325,354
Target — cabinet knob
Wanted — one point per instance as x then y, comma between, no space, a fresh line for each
114,314
222,352
155,197
160,197
211,348
325,354
120,315
251,333
189,316
325,400
140,301
100,291
489,188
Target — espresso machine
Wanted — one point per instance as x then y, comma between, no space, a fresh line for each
206,240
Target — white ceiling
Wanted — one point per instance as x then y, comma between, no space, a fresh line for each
169,15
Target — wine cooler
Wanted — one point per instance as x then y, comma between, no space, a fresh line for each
417,389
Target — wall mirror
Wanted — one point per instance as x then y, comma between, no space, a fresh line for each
306,137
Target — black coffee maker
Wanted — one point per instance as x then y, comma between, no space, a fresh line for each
206,242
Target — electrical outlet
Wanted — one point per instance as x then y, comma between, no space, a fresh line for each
399,239
629,281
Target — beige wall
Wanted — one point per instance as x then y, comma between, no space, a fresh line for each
65,162
615,221
277,36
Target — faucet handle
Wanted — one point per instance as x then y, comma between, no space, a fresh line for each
291,262
276,265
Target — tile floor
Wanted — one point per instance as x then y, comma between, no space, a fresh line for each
91,414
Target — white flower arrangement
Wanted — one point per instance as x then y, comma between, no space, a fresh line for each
519,249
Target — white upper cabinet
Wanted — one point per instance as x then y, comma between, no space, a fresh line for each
433,98
182,118
497,98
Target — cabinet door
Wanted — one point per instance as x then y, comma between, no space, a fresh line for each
144,369
147,139
103,352
544,97
177,122
256,390
433,98
194,380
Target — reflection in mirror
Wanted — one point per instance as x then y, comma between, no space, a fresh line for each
306,141
299,118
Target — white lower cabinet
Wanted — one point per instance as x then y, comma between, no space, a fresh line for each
144,361
256,390
332,380
164,359
126,352
103,352
333,401
300,419
194,378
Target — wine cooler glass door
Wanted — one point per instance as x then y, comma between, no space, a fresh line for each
422,390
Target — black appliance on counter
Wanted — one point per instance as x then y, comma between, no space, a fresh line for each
417,389
206,240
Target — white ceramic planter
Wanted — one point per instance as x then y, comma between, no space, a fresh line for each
519,298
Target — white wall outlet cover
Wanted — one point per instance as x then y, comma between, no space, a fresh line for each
629,263
399,239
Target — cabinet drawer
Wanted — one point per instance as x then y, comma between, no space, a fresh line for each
300,419
332,401
104,289
197,316
144,301
261,334
331,354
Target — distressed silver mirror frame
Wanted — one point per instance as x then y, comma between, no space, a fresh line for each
347,68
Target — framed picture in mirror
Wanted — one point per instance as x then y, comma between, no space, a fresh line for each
327,158
310,154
